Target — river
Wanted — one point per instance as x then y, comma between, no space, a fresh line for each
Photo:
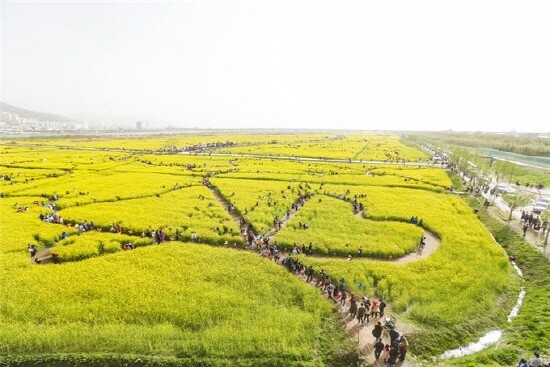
523,160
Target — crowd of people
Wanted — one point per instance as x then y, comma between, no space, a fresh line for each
395,350
363,309
529,220
533,222
414,220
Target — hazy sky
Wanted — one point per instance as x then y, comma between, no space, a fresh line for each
465,65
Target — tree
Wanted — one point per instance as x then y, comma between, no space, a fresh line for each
516,200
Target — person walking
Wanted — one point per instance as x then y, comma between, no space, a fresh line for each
353,307
382,307
32,249
309,273
394,353
535,361
321,279
330,289
378,348
523,363
361,314
394,335
335,293
374,309
377,331
343,297
422,241
385,353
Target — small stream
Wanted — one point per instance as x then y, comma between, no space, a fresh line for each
537,162
491,337
518,270
515,310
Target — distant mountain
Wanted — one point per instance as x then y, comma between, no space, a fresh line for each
41,116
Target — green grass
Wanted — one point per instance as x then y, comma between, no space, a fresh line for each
529,331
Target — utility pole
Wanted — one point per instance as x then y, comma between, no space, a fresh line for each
546,217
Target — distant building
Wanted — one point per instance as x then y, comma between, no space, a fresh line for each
9,117
141,125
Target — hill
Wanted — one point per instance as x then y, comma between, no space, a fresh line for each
41,116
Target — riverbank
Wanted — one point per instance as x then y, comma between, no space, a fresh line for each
528,332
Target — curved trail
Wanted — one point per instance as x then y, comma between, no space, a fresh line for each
273,231
432,242
361,334
44,255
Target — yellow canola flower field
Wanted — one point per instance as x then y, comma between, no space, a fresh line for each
84,188
260,201
93,243
334,146
462,281
192,209
167,300
334,230
340,179
18,229
189,300
370,147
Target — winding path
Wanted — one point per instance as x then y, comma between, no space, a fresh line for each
361,334
432,244
432,241
274,230
236,216
44,255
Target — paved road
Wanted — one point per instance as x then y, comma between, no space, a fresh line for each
501,211
534,238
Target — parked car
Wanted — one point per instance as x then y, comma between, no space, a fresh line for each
506,189
539,209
